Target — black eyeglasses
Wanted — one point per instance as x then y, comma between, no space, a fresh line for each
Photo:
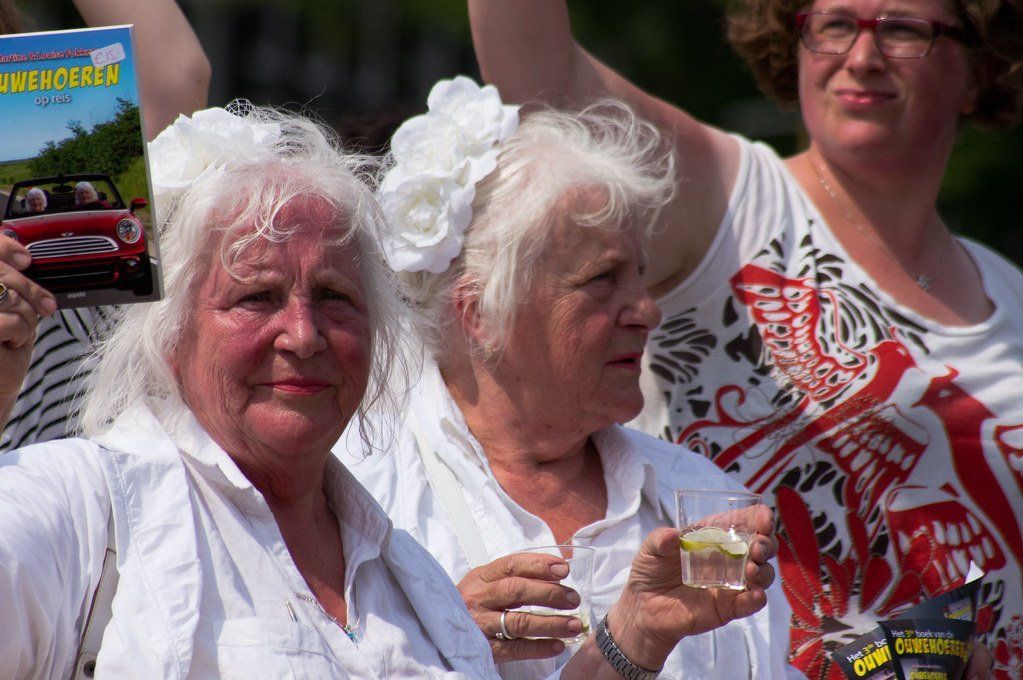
896,37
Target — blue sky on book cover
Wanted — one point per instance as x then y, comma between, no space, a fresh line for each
49,79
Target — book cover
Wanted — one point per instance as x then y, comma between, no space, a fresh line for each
868,656
74,183
932,640
929,649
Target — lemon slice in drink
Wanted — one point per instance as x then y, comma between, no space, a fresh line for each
736,549
714,538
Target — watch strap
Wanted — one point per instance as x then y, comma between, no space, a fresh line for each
617,659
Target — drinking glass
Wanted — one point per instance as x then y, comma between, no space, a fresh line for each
579,579
715,528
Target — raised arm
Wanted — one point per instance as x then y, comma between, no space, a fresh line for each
526,48
22,302
174,77
174,74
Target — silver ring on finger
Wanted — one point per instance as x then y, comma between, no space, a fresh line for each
4,293
504,634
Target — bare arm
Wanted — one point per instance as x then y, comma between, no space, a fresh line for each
174,74
23,302
526,48
174,78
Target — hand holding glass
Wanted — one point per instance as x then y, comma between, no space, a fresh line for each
579,579
715,529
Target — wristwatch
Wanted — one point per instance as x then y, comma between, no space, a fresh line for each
619,661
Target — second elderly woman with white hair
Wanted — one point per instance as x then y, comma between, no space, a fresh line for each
522,245
87,198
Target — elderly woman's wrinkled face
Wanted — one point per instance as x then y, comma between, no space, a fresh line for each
35,203
575,349
277,356
85,194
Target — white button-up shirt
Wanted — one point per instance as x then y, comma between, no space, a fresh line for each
640,473
207,587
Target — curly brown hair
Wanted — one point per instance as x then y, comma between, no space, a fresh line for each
763,33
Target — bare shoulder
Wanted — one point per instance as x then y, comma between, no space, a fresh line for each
708,163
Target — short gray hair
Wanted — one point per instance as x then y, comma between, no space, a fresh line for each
604,146
306,162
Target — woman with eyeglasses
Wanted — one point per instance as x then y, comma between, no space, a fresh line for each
826,339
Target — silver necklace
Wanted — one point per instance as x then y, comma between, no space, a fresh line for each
348,629
923,281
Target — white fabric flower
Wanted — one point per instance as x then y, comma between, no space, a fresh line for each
476,110
431,145
438,158
191,148
427,216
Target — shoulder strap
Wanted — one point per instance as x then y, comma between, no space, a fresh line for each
449,492
99,614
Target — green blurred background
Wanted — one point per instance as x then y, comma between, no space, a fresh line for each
364,65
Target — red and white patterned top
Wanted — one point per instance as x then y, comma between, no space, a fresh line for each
891,446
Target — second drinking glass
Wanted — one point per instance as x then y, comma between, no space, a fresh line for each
579,579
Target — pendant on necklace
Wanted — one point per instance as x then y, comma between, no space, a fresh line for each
348,629
922,281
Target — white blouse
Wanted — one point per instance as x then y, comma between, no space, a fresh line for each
640,473
207,587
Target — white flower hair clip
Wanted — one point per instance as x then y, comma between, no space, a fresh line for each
196,147
439,157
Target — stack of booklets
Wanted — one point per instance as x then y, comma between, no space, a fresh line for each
930,641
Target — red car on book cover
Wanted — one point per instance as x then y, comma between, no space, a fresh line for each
75,246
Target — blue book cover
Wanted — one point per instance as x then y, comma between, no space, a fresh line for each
74,181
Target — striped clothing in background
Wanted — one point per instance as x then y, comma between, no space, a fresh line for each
57,377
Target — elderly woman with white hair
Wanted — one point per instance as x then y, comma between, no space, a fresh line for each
35,200
242,547
87,198
523,248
